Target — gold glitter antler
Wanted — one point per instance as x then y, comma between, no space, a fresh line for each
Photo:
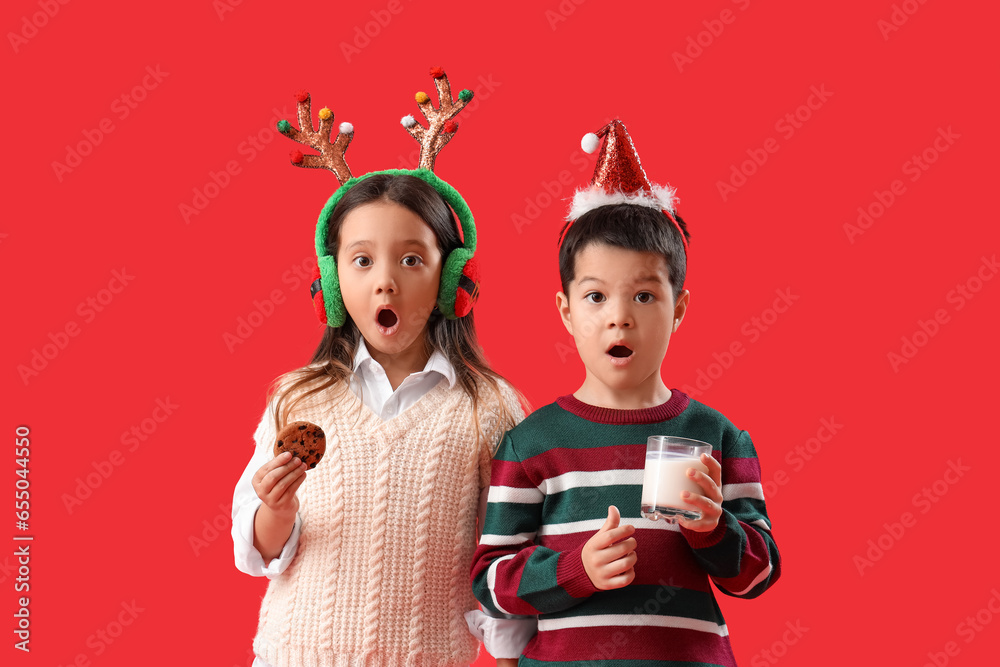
440,126
331,155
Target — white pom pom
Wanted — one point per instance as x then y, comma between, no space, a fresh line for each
346,128
408,121
590,142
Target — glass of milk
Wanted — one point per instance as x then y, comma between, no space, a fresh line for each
667,461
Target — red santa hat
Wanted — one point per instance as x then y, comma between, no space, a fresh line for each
620,179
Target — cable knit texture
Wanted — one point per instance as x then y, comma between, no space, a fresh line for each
380,577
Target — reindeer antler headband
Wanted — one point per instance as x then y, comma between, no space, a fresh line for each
460,275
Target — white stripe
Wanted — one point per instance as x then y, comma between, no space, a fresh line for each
762,524
505,540
580,478
759,578
593,525
744,490
491,579
513,494
606,620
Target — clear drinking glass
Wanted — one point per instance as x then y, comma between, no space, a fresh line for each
667,461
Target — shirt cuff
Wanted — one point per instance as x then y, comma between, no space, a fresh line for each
248,559
504,638
572,576
699,540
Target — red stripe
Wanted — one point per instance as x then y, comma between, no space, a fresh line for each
740,470
662,556
560,460
631,643
509,473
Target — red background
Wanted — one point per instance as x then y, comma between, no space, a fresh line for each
544,73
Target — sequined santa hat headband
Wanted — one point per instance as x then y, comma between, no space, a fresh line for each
620,179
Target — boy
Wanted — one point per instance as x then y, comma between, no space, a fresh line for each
563,537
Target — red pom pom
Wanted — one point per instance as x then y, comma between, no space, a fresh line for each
319,306
301,96
464,300
296,157
450,127
437,72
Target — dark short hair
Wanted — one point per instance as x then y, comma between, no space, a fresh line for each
627,226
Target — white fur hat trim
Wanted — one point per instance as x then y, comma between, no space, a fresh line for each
588,199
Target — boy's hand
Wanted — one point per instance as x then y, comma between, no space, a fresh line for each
277,481
709,501
610,565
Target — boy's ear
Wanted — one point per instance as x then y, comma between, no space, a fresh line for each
562,305
680,308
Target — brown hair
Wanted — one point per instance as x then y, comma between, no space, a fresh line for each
332,362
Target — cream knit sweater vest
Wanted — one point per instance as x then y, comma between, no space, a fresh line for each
381,574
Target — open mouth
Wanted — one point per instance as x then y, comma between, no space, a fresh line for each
387,320
620,352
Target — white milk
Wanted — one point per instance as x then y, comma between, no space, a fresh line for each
664,479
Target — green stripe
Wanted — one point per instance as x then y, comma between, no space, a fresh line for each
650,600
591,502
538,586
512,518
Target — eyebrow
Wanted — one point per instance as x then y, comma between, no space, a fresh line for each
648,278
408,243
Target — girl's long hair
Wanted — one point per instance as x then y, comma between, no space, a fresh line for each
333,361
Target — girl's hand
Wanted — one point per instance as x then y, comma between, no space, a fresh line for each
709,501
277,481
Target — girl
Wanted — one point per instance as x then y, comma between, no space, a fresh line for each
369,558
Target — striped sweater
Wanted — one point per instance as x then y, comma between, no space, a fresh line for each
553,479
